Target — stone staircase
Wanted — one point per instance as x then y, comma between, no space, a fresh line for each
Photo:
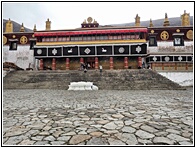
133,79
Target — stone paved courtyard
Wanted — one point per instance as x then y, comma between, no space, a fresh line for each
61,117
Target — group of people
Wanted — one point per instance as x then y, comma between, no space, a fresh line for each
85,66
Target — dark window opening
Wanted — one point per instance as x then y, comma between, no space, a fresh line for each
152,41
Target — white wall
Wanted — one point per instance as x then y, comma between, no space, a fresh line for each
21,57
163,46
182,78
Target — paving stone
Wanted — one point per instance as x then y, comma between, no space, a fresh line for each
64,138
49,138
112,141
148,129
128,129
15,140
57,142
128,138
78,139
173,131
37,138
44,133
57,133
111,131
16,132
96,134
117,116
186,135
129,122
186,143
144,135
177,137
145,142
96,141
110,125
41,143
27,142
163,140
69,134
102,121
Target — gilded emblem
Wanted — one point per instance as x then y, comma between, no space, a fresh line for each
152,31
23,40
13,36
164,35
177,30
189,34
4,40
89,19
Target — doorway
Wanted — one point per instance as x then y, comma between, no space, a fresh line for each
90,61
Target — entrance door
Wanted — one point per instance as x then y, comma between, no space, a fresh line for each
90,62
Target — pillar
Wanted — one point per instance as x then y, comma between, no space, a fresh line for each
67,63
81,60
96,63
41,64
111,63
139,59
126,62
53,64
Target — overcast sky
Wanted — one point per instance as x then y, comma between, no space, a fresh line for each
69,15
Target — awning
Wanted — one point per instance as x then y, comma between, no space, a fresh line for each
68,33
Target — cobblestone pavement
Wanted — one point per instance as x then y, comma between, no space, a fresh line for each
61,117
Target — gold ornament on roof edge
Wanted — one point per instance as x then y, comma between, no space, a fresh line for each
178,30
13,36
189,34
164,35
23,40
4,40
89,19
152,31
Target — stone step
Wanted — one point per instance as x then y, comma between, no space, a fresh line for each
109,79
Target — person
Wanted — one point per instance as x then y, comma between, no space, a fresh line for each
100,68
143,65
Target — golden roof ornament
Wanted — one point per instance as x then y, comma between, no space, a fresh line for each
34,29
22,28
95,22
89,19
84,22
9,26
151,24
48,24
137,20
185,19
166,21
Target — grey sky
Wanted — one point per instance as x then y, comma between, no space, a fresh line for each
66,15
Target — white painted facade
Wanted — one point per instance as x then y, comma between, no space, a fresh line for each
22,57
168,47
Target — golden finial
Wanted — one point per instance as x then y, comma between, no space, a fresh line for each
48,24
34,29
137,20
9,26
22,28
166,21
185,19
151,24
84,21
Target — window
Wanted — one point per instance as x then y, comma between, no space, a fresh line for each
178,41
152,41
13,46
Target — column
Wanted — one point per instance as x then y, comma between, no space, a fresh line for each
126,62
41,64
111,63
96,63
53,64
139,59
67,63
81,60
